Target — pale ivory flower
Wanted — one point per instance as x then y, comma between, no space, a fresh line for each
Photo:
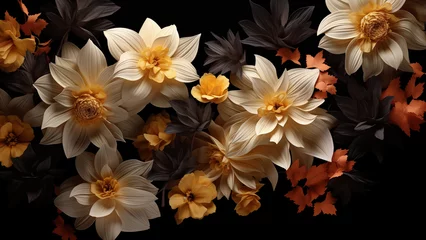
111,192
83,101
374,34
156,63
231,164
282,110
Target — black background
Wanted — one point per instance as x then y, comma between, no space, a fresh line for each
390,200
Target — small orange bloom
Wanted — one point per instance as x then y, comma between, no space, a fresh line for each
211,89
15,136
153,136
247,200
193,197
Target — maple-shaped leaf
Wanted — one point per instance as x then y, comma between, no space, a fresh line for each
326,206
418,70
317,62
404,119
316,181
295,173
43,48
286,54
299,198
66,231
34,24
413,90
325,83
394,90
339,164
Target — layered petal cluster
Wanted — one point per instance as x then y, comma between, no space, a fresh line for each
282,110
193,197
373,34
211,89
83,101
231,164
156,63
111,192
247,200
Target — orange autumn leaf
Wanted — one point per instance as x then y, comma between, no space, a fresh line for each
326,206
394,89
325,83
299,198
317,62
316,180
64,230
43,48
418,70
339,164
34,24
295,173
405,119
286,54
413,90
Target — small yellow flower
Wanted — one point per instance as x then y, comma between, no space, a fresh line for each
211,89
247,200
12,48
193,197
153,136
15,136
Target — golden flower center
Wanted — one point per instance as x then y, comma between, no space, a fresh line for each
87,108
375,26
189,196
156,63
277,104
106,188
11,140
219,161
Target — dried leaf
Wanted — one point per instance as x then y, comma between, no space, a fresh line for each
316,181
317,62
413,90
295,173
326,206
325,83
299,198
339,164
34,24
286,54
395,90
418,70
404,119
64,230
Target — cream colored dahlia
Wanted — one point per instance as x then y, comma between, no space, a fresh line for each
156,63
83,101
280,109
374,34
111,192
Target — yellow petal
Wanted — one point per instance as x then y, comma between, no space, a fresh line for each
152,139
196,93
177,200
223,82
211,208
205,194
197,210
27,134
222,98
5,158
170,74
182,213
186,182
5,130
18,149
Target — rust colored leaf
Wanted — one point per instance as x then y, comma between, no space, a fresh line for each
339,164
64,230
413,90
325,83
299,198
316,180
326,206
295,173
286,54
418,70
34,24
317,62
394,89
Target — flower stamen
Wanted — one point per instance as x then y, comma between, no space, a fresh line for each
106,188
11,140
156,63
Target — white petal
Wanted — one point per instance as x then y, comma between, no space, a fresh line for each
134,220
114,91
252,106
284,81
105,78
116,132
127,67
66,77
121,40
168,37
298,154
66,63
249,73
174,90
391,53
100,135
21,105
277,135
149,31
109,227
134,197
404,15
301,85
357,5
102,208
52,135
84,163
292,135
74,139
405,65
262,88
55,115
317,140
311,105
133,167
185,71
188,48
372,64
91,62
280,155
266,124
271,173
83,223
47,88
335,46
217,132
353,58
266,71
224,188
34,117
245,131
151,210
338,25
160,101
301,117
240,96
4,101
228,109
116,114
66,98
137,182
106,156
70,51
70,206
70,183
396,4
131,127
336,5
245,179
83,194
413,34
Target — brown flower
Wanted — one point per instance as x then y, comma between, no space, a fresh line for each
247,200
